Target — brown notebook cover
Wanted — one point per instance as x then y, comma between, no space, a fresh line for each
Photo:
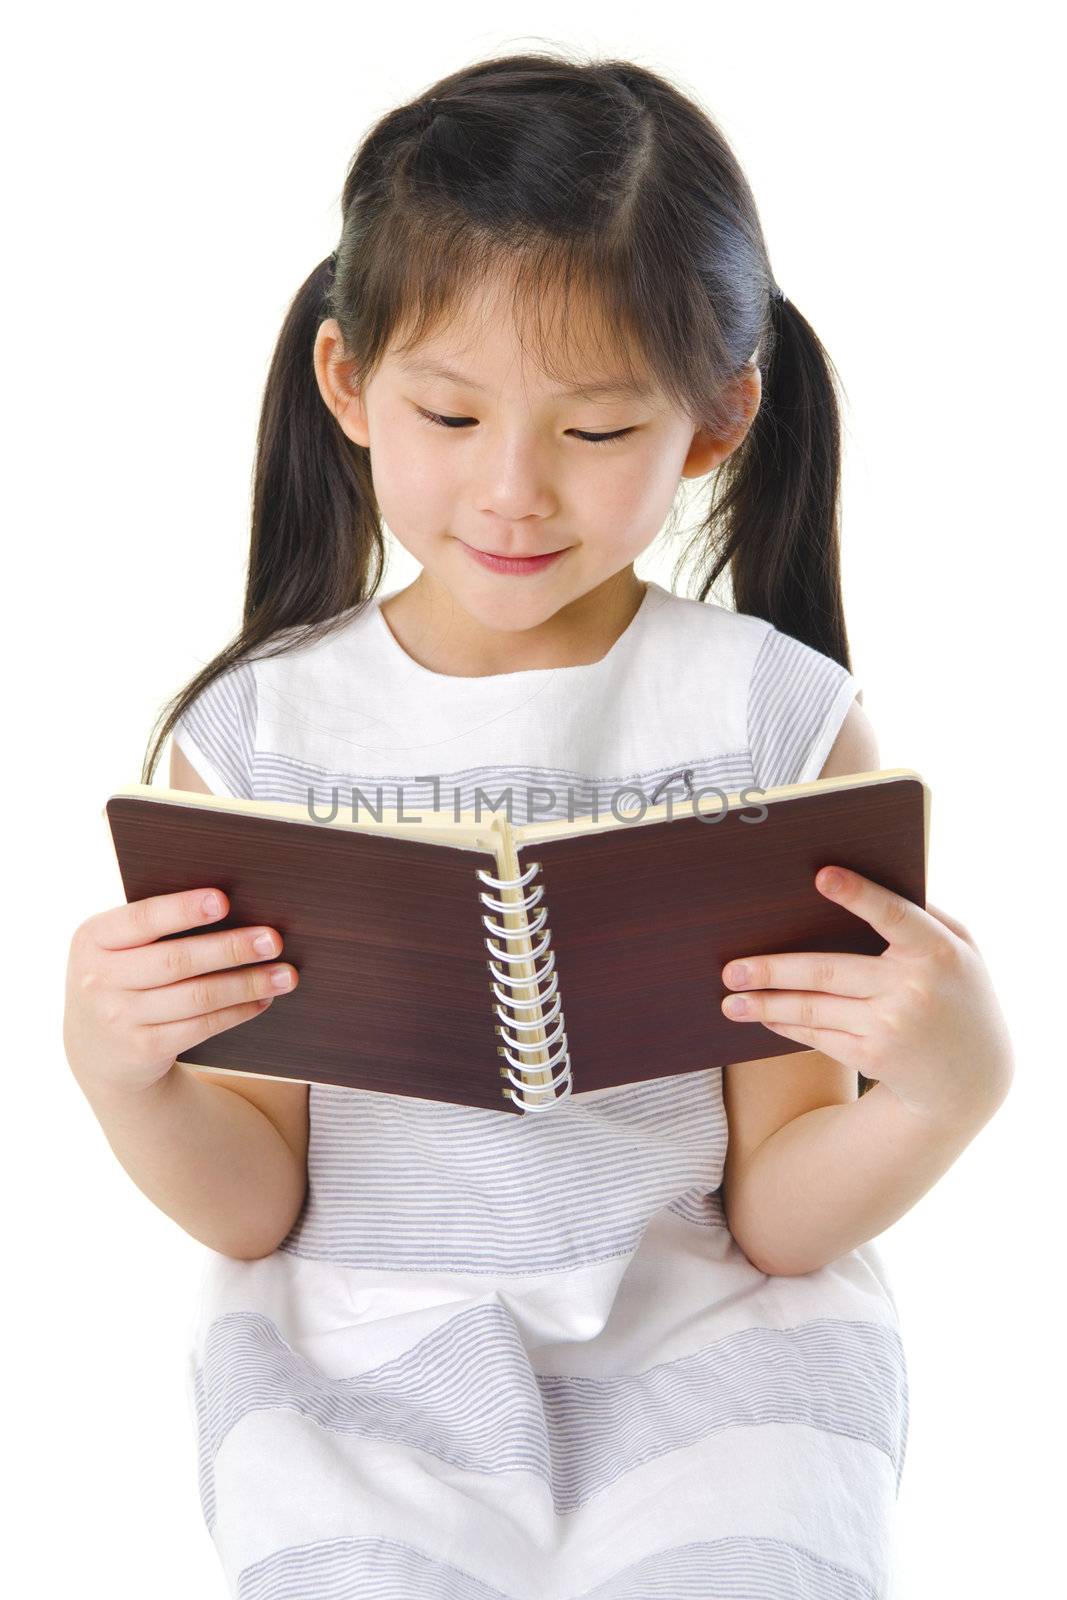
401,983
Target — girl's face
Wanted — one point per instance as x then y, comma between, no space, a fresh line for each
512,471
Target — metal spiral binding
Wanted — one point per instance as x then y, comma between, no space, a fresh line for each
507,1003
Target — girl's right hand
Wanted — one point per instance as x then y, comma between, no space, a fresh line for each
134,1004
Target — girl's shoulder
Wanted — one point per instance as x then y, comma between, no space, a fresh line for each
750,649
693,626
779,699
286,689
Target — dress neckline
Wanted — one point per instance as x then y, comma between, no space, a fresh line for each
531,674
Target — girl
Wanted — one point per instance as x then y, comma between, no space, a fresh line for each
642,1345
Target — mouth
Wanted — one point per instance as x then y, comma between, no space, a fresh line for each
500,562
503,555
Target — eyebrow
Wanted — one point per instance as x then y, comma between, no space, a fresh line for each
624,386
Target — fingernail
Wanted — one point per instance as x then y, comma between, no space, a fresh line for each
737,972
831,881
736,1006
211,905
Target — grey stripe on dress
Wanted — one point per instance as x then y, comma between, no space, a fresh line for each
536,793
736,1568
222,722
551,1193
790,695
579,1435
205,1449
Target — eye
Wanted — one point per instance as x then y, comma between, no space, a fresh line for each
465,422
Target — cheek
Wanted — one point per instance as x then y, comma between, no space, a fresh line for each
411,480
410,515
639,490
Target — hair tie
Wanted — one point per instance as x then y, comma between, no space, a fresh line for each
776,294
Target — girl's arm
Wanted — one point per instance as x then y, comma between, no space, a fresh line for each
837,1176
803,1187
214,1163
226,1161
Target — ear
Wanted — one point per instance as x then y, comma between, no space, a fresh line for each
708,452
332,373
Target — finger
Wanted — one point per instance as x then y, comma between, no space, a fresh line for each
175,1038
174,960
900,921
215,991
952,924
848,1048
811,1011
835,972
139,922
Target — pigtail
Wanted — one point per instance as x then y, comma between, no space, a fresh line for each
774,515
316,546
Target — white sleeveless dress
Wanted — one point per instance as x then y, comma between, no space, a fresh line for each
508,1357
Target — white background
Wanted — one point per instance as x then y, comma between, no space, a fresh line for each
172,176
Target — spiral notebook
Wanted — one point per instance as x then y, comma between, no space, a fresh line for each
466,959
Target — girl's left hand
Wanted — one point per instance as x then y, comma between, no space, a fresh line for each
921,1017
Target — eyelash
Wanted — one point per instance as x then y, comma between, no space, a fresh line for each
439,421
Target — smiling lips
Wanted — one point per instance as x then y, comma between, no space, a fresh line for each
513,564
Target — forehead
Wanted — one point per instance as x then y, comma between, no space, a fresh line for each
564,344
596,385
